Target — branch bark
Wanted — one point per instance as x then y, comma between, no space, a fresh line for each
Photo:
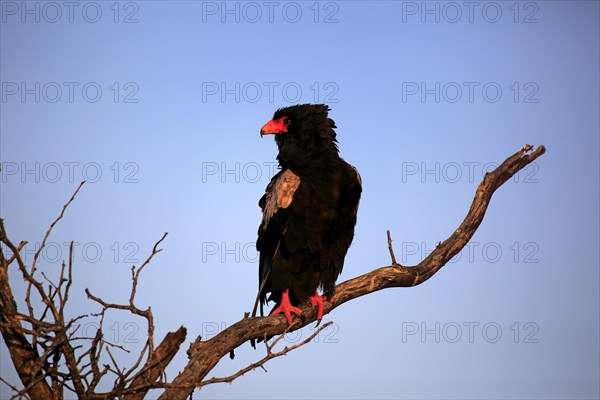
157,363
204,355
270,355
48,353
37,360
24,356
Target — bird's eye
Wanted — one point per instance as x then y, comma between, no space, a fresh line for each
286,121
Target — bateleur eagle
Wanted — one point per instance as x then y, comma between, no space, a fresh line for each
309,212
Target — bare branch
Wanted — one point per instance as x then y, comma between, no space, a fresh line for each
30,279
156,364
12,387
81,372
69,280
204,355
270,355
390,248
49,231
14,256
117,370
27,390
136,276
71,362
21,351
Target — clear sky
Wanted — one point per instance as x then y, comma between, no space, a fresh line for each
158,105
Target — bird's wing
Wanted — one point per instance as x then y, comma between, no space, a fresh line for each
340,227
356,189
279,195
304,219
274,204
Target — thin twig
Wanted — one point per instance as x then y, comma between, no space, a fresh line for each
37,254
12,387
390,248
204,355
12,258
69,279
54,339
23,392
270,355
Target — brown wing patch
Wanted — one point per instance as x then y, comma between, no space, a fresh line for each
280,194
285,188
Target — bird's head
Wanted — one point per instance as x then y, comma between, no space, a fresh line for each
302,132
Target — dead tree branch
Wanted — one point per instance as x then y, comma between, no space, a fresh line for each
44,351
156,364
270,355
390,248
204,355
24,355
131,307
44,348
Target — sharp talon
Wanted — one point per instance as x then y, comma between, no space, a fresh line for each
318,301
286,307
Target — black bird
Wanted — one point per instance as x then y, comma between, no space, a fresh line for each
309,212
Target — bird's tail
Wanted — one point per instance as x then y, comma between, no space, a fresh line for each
260,289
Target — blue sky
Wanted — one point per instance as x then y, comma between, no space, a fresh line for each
159,104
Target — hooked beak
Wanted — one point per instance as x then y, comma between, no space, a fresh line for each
274,127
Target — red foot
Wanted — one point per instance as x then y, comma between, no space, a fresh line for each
318,301
286,307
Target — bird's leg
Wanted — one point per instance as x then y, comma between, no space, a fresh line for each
318,301
286,307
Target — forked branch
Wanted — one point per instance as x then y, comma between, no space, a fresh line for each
49,356
204,355
270,355
37,359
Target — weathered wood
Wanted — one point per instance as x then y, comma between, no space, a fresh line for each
154,367
204,355
24,356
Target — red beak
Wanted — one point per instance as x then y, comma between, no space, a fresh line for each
274,127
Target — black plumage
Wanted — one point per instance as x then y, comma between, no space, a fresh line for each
309,211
